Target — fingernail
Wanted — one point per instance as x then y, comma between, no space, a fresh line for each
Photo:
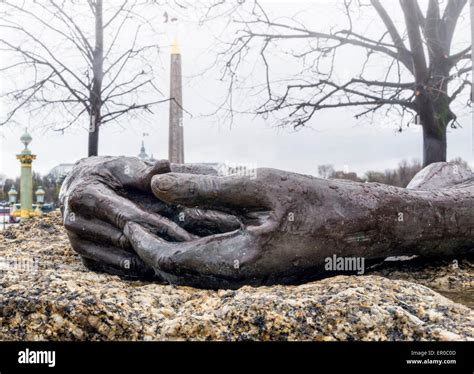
164,182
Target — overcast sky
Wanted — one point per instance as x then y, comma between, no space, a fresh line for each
334,137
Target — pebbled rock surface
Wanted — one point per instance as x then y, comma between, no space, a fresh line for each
47,294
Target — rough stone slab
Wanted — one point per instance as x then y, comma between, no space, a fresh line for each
62,300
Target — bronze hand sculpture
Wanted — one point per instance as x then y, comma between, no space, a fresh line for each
275,228
102,194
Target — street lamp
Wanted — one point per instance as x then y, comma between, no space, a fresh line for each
12,195
40,195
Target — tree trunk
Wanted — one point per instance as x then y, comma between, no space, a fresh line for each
434,143
96,92
435,116
94,131
432,101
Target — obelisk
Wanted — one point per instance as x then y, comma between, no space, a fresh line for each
176,142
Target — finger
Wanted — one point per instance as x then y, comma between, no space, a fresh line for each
225,260
110,259
148,202
207,222
196,221
133,173
194,169
104,268
95,230
159,167
208,191
98,200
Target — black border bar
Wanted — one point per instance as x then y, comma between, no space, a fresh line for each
156,357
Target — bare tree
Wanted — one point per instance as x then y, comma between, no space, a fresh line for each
63,63
421,78
325,171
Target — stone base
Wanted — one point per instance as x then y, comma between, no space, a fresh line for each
52,296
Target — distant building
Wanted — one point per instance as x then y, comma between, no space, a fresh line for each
143,155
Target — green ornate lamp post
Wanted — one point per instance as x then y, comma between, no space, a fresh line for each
26,182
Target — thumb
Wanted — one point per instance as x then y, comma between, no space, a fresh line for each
206,191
